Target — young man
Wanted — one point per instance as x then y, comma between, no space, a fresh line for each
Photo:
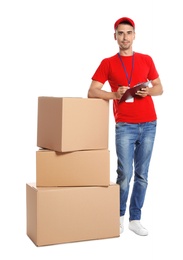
135,117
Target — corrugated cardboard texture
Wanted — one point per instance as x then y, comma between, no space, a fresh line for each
79,168
71,124
70,214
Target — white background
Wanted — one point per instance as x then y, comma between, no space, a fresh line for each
52,48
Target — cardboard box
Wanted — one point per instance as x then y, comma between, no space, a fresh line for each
70,214
78,168
71,124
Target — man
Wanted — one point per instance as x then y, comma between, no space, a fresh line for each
135,117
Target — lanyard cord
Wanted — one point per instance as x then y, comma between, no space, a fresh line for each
126,73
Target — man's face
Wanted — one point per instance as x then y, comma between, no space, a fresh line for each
124,35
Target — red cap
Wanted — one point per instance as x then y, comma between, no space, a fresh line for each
124,19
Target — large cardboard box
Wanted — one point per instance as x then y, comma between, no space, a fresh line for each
70,124
78,168
69,214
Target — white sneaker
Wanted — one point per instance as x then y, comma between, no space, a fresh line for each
121,224
137,228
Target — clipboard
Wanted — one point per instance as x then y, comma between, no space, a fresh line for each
131,92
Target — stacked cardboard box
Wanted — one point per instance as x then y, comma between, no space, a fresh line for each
72,199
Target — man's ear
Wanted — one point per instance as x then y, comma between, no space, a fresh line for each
114,36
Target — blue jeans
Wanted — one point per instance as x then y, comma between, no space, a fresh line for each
134,145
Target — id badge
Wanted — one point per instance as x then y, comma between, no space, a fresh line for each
130,100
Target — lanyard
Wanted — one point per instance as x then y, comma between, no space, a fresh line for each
126,73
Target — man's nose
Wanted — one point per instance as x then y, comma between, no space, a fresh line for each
125,36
